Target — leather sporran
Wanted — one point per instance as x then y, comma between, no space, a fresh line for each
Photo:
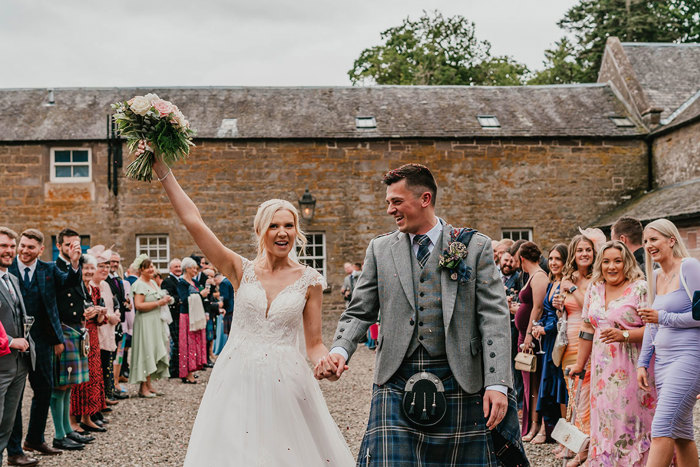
526,360
560,342
84,342
424,403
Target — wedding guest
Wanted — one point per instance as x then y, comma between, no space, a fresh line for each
71,366
88,398
501,247
552,397
672,335
14,364
346,289
130,276
530,309
120,359
170,286
39,282
621,412
108,343
193,350
629,231
512,282
577,276
149,354
227,296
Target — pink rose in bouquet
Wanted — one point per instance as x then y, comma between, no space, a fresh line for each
163,108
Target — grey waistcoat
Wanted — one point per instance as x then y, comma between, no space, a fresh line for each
429,329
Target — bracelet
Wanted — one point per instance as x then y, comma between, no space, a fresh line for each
166,175
586,336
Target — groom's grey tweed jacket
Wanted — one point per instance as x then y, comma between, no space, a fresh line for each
475,316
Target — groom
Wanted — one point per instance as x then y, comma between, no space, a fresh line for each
455,327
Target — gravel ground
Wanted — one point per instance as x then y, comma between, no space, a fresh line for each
145,432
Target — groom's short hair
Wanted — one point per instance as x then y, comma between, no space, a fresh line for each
416,176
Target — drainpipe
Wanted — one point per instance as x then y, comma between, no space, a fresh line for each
650,163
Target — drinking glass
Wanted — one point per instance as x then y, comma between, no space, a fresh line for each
539,339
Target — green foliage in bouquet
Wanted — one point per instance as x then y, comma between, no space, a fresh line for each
153,127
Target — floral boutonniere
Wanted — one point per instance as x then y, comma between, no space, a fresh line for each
452,258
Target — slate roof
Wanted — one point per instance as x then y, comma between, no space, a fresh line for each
673,202
668,73
329,112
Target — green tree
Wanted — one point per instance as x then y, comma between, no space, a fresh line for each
593,21
560,64
434,50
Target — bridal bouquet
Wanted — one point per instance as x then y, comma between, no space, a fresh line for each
152,126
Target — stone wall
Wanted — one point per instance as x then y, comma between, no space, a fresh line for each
677,155
551,186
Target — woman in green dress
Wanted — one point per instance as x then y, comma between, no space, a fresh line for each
150,358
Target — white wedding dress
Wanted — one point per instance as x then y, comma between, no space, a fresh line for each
262,405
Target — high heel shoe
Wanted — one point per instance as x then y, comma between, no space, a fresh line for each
534,428
540,438
579,459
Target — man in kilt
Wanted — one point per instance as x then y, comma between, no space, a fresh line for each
445,326
71,366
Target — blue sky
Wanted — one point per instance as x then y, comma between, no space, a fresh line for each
79,43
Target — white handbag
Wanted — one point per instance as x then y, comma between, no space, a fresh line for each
565,432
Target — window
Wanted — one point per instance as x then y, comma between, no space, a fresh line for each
84,245
365,123
314,254
517,234
622,122
157,247
71,165
488,121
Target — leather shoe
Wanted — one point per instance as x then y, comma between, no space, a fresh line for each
23,460
42,448
67,444
89,428
120,395
85,439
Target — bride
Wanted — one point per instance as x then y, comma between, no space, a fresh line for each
262,405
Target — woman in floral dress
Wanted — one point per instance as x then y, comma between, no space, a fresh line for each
621,412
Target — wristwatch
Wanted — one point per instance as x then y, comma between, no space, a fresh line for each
573,289
626,335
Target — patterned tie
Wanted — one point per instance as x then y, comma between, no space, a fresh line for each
27,282
423,241
10,288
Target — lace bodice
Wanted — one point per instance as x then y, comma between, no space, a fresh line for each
283,324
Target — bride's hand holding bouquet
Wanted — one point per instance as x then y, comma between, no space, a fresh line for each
155,129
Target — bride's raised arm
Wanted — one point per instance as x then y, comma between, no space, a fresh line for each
225,260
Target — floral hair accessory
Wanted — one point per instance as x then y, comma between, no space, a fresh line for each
136,265
153,127
452,258
100,253
595,235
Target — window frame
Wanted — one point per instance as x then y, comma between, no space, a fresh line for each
324,256
139,246
52,175
506,232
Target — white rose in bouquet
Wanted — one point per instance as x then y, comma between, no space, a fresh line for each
140,105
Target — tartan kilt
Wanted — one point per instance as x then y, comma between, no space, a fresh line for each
72,359
461,439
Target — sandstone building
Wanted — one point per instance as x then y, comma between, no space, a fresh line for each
529,161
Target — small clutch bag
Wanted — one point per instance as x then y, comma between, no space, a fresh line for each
526,361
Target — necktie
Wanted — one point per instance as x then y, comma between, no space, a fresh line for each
10,289
423,251
26,278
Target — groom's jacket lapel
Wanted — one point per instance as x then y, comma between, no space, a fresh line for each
448,286
401,251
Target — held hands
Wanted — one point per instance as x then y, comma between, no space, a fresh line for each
643,379
495,407
330,367
648,315
20,344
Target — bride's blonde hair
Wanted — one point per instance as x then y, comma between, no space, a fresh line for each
263,219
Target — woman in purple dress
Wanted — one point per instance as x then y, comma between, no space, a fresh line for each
531,300
672,335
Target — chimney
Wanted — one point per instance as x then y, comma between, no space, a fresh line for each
652,116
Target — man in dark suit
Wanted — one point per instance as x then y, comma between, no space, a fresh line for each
39,282
629,231
170,285
13,367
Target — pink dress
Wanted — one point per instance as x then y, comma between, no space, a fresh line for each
621,413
